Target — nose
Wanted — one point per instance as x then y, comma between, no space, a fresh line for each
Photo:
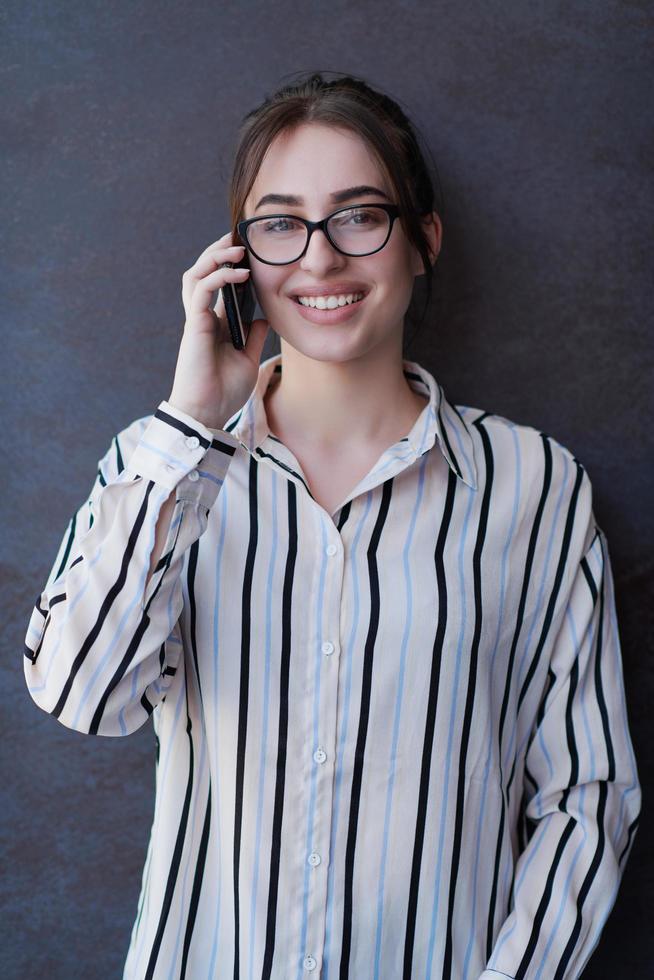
321,254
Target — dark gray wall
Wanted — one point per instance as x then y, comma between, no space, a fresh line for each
118,124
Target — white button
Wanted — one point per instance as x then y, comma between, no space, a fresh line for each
314,859
327,647
319,755
331,549
309,963
194,475
192,442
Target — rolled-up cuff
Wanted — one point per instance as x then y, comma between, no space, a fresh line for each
178,452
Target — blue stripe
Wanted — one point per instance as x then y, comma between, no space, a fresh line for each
399,698
349,652
224,500
440,881
481,823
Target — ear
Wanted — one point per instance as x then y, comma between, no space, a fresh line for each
434,231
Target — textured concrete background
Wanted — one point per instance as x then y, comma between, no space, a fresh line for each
118,124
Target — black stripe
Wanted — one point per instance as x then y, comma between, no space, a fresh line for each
412,376
526,581
229,428
246,604
344,514
164,560
562,804
527,776
443,430
182,427
176,857
430,726
570,732
545,899
120,465
283,465
282,734
120,670
192,571
633,827
599,688
585,567
33,654
145,704
197,885
470,694
106,603
563,560
37,605
223,447
562,969
69,545
167,559
364,710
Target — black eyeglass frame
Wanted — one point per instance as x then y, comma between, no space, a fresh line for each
392,210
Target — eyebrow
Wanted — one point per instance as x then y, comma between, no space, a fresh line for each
337,197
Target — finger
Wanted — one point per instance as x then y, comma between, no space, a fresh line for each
201,296
209,261
225,239
205,265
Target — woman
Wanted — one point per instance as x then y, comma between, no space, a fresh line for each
375,631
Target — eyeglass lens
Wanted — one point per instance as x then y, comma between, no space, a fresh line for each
356,231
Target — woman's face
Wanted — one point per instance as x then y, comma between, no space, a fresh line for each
311,163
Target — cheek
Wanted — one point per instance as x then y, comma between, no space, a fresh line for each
397,277
266,281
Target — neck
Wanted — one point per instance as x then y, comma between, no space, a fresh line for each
334,405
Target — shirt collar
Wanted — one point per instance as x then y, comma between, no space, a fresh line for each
439,422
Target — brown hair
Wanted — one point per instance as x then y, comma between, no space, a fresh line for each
349,103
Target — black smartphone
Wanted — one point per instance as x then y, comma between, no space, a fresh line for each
240,301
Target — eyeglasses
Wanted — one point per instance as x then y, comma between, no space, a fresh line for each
279,239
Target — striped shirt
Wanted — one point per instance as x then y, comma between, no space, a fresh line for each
391,741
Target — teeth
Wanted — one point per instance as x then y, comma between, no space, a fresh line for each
329,302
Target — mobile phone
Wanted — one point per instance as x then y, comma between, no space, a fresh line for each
240,301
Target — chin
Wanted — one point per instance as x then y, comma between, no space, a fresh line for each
332,347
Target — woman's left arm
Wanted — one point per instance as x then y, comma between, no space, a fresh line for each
587,798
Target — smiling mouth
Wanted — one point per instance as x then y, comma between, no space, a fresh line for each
320,302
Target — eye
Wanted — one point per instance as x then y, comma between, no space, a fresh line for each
359,216
278,225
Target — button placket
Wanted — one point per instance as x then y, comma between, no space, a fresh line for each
322,754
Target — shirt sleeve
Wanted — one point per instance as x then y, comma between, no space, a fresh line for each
101,647
582,794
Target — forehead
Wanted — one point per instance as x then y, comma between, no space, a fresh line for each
313,160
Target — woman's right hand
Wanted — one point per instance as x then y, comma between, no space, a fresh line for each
212,378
